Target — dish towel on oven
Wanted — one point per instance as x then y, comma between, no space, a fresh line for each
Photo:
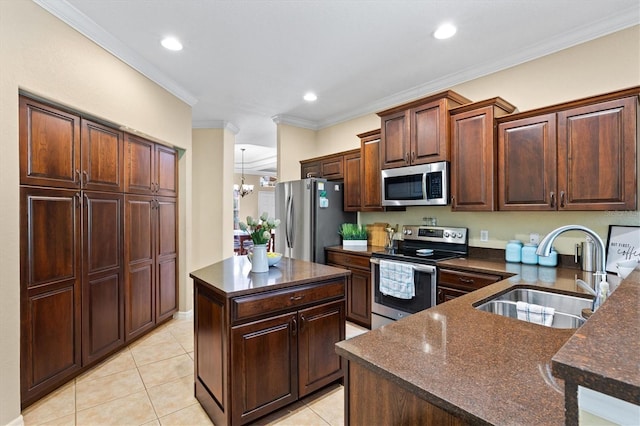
536,314
396,279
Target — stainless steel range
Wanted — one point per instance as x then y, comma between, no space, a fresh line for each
422,248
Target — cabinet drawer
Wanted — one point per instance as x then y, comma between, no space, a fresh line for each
333,168
466,280
246,307
348,260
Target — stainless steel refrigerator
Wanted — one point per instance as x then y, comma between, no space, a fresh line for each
310,211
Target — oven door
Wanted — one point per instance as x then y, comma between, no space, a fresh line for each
392,308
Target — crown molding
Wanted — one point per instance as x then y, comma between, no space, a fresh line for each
216,124
295,121
624,18
64,11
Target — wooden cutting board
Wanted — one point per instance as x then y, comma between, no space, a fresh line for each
377,234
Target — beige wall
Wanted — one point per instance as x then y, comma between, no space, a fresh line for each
42,55
294,144
603,65
213,207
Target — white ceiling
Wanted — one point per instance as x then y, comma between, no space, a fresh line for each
247,63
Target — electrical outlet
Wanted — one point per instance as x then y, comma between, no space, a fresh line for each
484,235
534,238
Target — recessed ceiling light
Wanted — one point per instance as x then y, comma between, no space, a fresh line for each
310,97
171,43
445,31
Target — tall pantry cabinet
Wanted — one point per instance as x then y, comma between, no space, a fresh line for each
74,304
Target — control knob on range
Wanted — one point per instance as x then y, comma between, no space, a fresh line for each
446,234
407,232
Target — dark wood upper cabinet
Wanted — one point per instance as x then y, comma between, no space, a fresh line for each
418,132
597,156
330,167
474,154
370,178
352,182
49,145
527,158
575,156
151,169
102,158
60,149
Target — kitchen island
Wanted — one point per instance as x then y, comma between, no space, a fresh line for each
454,364
264,340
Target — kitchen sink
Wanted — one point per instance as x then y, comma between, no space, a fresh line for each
568,308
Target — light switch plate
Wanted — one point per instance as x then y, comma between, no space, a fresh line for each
484,235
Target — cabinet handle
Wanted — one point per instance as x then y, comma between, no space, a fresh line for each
302,320
453,201
85,177
294,326
76,198
311,174
553,199
466,280
296,298
413,156
562,199
406,158
79,177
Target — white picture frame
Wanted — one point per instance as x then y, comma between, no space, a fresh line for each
623,243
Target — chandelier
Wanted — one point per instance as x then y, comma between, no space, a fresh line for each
244,189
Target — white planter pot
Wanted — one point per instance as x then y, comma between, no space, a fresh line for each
349,244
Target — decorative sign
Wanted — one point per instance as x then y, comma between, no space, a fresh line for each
623,243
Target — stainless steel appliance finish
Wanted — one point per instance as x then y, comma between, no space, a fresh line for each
311,213
421,248
422,185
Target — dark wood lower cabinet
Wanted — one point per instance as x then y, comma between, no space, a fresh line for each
358,285
371,399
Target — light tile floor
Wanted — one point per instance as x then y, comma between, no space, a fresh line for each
150,382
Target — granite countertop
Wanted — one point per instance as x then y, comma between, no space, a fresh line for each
604,353
482,367
233,277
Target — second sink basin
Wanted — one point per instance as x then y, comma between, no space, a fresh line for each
568,308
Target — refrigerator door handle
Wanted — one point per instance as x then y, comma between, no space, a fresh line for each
289,222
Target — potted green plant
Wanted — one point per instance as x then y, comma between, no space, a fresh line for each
353,235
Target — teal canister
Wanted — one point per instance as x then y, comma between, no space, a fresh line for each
513,252
551,260
529,255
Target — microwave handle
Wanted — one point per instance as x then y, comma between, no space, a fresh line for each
425,194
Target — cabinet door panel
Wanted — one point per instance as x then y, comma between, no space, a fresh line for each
167,171
264,365
140,225
211,344
49,145
102,157
50,253
359,298
167,226
427,141
102,284
597,156
53,342
139,165
321,328
527,164
352,182
370,178
395,141
473,165
166,288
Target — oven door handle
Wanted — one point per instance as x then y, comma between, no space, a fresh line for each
430,269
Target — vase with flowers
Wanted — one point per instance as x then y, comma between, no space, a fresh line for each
260,232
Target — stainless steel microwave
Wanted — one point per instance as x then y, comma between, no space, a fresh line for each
422,185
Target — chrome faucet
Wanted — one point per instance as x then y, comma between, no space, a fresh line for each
544,249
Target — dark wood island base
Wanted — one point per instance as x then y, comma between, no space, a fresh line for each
263,341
